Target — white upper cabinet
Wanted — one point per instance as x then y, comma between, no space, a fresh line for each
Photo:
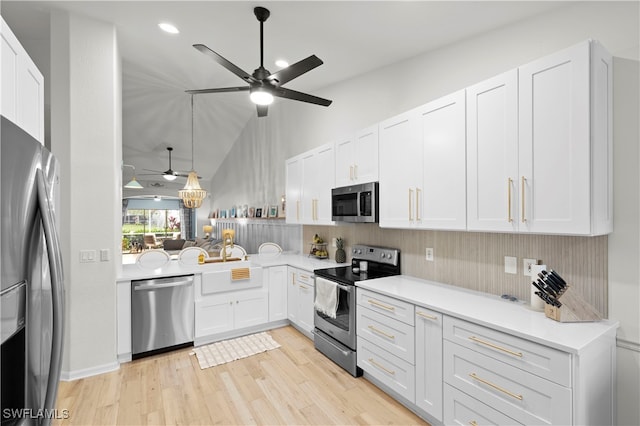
357,157
22,86
310,178
540,146
400,170
422,167
492,154
441,199
294,190
565,142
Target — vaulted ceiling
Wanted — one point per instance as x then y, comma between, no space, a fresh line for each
352,38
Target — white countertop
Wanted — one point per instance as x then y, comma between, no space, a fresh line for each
134,271
515,318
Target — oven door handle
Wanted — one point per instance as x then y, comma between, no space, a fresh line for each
346,288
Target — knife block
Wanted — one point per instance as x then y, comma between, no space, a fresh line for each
574,309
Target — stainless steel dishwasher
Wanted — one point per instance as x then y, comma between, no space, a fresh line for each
162,313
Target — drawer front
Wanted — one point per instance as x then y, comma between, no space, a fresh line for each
461,409
390,370
304,277
522,396
540,360
387,306
391,335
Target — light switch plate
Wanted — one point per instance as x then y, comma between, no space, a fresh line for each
510,265
87,256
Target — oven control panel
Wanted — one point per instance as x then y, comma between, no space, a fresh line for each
376,254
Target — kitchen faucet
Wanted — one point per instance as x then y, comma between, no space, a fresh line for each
227,240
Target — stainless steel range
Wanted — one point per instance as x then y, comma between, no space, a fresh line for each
335,325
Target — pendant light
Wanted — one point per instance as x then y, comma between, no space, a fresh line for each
133,183
192,195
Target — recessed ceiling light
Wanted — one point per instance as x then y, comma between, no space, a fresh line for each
282,63
168,28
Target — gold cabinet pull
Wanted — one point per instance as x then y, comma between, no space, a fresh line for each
297,209
523,217
491,345
427,316
509,182
418,190
381,305
387,335
410,209
473,423
371,360
355,171
304,287
496,387
350,172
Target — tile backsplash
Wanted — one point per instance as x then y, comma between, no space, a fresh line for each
475,260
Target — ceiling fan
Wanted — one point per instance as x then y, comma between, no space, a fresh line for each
263,85
169,174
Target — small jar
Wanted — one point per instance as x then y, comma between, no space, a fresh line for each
201,258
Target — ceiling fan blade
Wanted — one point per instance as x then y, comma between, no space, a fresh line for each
295,70
281,92
218,90
225,63
262,110
151,170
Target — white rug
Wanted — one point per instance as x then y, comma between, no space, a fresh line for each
233,349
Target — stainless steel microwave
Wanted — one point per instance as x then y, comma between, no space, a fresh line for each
355,203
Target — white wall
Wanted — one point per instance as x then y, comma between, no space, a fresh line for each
292,128
86,136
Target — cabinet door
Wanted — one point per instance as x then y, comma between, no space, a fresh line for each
214,314
442,193
492,154
250,308
305,304
277,283
400,170
345,155
22,97
365,161
294,190
292,295
429,361
554,143
324,181
310,185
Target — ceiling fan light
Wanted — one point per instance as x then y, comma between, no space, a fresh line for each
192,195
261,96
169,177
168,28
133,184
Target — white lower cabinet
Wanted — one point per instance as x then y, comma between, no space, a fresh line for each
276,281
224,303
300,287
230,311
429,361
461,409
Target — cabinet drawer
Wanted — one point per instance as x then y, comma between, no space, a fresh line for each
523,396
303,277
540,360
461,409
392,335
390,370
388,306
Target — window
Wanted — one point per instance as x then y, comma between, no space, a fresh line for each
139,218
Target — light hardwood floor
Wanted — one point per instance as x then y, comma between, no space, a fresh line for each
291,385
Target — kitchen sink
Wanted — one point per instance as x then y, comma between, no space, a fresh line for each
230,275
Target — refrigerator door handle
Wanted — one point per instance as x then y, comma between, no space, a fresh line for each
57,288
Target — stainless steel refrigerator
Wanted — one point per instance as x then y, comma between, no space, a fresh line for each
32,293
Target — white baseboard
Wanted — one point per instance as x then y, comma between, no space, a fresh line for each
68,376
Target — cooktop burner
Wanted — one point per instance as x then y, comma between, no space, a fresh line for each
381,262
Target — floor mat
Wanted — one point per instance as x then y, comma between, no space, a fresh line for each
233,349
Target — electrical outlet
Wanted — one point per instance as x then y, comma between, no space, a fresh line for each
334,242
510,265
526,266
429,254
